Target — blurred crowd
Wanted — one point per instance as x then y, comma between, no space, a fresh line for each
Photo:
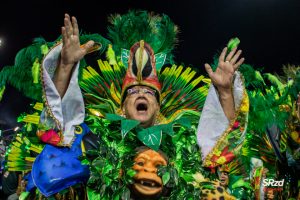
9,180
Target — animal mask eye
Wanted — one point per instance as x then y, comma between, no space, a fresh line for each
158,165
147,70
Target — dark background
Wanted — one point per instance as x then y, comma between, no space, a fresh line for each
269,31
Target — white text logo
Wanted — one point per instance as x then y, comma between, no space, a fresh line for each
273,183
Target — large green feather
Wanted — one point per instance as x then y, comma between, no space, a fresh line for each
158,31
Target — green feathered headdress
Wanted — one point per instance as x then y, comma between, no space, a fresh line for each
156,30
182,90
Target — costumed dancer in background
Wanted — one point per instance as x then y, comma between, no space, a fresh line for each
270,147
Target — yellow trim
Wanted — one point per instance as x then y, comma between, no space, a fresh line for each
207,161
141,56
83,148
49,111
48,107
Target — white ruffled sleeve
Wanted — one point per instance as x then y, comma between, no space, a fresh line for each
213,122
68,111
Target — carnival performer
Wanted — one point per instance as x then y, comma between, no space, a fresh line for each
132,102
141,102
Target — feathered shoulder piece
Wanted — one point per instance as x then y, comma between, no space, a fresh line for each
24,74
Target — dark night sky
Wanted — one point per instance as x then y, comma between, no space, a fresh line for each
269,31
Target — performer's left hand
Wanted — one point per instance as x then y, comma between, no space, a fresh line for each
223,76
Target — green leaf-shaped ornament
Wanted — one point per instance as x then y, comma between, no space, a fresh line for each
166,178
234,42
125,56
151,137
160,59
113,117
127,125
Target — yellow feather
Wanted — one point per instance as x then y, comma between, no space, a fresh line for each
115,93
34,119
38,106
110,55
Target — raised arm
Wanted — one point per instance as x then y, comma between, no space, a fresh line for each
71,53
222,79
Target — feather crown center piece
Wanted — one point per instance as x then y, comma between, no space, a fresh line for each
141,68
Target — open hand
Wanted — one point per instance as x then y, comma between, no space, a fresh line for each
72,52
223,76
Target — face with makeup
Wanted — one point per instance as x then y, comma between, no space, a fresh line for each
224,178
146,163
141,104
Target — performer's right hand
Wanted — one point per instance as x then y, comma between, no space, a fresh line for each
71,51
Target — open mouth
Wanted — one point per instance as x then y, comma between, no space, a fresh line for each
147,187
149,183
142,107
223,181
